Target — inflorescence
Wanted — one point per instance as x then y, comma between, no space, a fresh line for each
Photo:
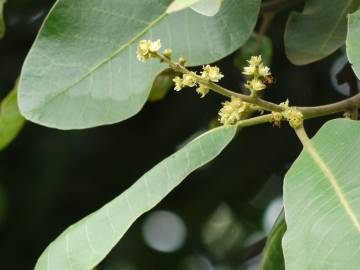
234,110
259,74
208,73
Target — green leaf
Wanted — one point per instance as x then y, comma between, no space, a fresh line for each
353,42
161,85
316,32
83,245
82,70
321,201
207,7
273,258
11,120
2,22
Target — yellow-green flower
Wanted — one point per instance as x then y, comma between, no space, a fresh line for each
255,85
178,83
249,70
202,90
211,73
294,116
146,47
263,71
232,111
167,53
255,60
189,79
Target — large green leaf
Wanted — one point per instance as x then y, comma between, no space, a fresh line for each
11,120
273,258
353,42
316,32
2,22
321,200
82,70
83,245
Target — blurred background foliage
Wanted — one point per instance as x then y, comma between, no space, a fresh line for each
216,219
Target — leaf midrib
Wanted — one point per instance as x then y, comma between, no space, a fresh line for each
326,41
106,60
311,150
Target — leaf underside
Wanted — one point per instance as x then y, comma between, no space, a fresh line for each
2,21
83,72
353,42
11,120
83,245
321,201
316,32
273,258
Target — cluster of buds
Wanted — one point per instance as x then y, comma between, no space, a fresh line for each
208,73
233,110
259,73
291,114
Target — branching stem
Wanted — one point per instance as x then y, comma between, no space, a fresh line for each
308,112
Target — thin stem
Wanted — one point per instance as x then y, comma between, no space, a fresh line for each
266,105
340,106
308,112
267,118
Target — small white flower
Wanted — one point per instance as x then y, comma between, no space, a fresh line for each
255,60
155,46
249,70
264,71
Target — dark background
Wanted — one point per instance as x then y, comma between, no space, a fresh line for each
50,178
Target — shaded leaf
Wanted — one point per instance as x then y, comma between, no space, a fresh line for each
207,7
2,22
353,42
11,120
161,85
273,258
316,32
82,70
321,201
83,245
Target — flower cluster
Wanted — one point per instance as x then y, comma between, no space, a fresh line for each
291,114
188,79
147,49
208,73
232,111
259,73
